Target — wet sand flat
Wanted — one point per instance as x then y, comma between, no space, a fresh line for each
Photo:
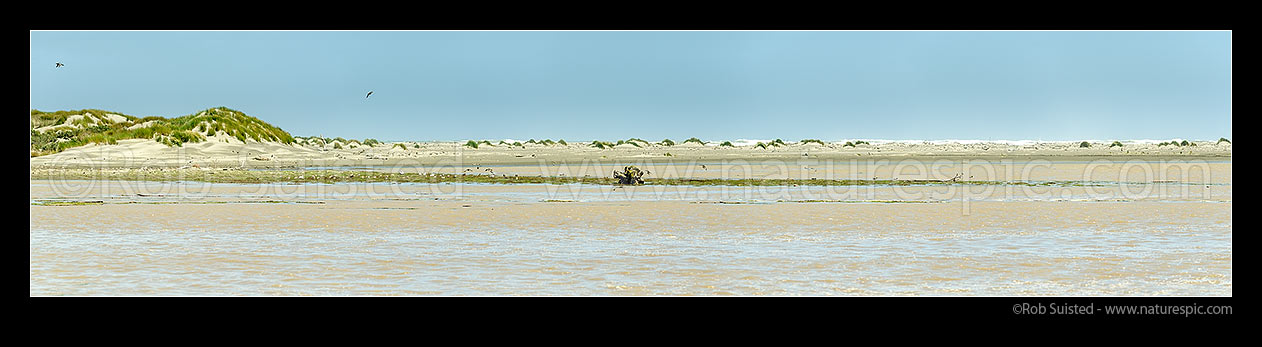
502,240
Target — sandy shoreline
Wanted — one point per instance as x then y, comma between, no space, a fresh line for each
492,243
231,153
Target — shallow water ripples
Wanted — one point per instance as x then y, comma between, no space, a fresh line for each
439,248
381,239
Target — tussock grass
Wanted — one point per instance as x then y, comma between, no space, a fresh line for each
1185,143
97,127
631,142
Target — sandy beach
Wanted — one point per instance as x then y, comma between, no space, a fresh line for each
893,218
226,152
634,163
186,238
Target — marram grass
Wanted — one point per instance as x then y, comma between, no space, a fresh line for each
96,126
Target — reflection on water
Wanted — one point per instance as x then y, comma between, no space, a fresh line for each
504,240
1138,228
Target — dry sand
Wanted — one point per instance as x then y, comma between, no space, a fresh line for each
221,151
1168,235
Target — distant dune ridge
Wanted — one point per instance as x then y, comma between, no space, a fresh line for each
223,137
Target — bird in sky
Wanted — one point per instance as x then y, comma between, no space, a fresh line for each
59,64
369,94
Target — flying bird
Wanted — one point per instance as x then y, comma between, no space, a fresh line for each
59,64
369,94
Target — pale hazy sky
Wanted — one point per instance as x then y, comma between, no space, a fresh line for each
583,85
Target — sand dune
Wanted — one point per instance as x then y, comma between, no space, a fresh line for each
224,151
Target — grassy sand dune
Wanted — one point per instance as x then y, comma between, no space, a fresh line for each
54,132
222,137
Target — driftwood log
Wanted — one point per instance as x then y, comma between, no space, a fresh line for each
630,175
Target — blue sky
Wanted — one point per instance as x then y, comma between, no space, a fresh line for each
608,85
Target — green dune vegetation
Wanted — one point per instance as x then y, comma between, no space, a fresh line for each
632,141
806,141
1084,144
1184,143
545,142
312,141
773,143
1223,139
53,132
693,139
476,144
1115,144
